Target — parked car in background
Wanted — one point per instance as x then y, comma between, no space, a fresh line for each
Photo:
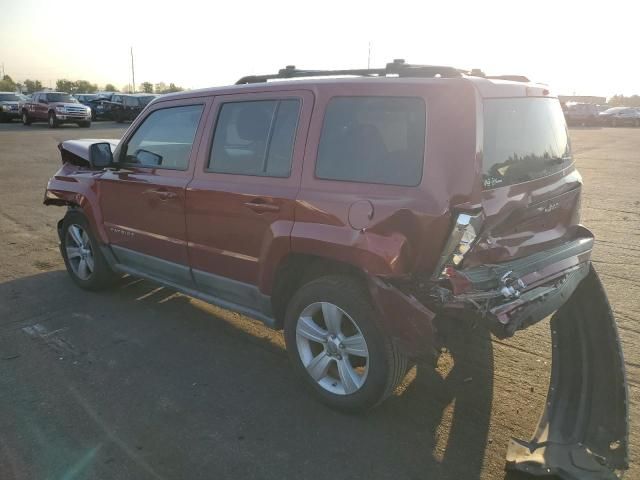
85,98
363,216
126,107
55,108
100,106
9,106
581,114
620,116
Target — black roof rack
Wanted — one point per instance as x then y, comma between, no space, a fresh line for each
397,67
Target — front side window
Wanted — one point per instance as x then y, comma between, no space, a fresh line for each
373,140
255,138
164,139
131,102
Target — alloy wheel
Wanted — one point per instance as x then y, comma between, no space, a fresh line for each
79,252
332,348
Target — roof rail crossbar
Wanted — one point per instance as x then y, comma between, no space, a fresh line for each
397,67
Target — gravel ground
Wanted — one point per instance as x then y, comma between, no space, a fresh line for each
144,383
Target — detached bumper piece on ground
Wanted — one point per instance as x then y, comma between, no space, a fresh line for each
583,432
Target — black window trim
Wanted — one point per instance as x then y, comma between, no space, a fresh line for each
396,185
278,99
151,112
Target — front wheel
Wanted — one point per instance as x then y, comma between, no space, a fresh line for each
84,124
82,256
53,121
337,346
26,121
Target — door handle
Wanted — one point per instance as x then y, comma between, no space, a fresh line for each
162,194
259,205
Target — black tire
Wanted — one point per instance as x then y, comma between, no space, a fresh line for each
52,120
84,124
387,366
26,121
102,276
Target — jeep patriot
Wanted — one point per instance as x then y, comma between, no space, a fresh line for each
361,211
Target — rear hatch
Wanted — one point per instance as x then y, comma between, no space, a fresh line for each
531,189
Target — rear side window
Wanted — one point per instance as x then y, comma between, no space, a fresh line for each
373,140
524,139
255,138
165,138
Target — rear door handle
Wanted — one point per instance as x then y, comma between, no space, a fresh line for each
162,194
259,205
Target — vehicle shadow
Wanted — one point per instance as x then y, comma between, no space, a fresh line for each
170,387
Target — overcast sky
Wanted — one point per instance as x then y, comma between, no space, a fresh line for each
582,47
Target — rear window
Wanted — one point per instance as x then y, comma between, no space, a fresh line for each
524,139
9,97
373,140
255,138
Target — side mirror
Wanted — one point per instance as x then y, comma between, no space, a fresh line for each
100,155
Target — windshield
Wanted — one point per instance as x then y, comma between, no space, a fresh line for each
9,97
615,110
61,97
524,139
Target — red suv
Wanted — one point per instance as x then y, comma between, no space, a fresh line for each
362,215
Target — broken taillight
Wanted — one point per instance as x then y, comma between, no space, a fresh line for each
463,235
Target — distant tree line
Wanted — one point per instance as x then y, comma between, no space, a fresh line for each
81,86
148,87
622,101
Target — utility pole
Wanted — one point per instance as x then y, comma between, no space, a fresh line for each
133,73
369,57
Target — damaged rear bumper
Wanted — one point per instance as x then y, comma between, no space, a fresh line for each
511,296
583,432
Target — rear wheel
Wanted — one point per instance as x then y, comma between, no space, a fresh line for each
53,121
337,346
25,119
82,256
